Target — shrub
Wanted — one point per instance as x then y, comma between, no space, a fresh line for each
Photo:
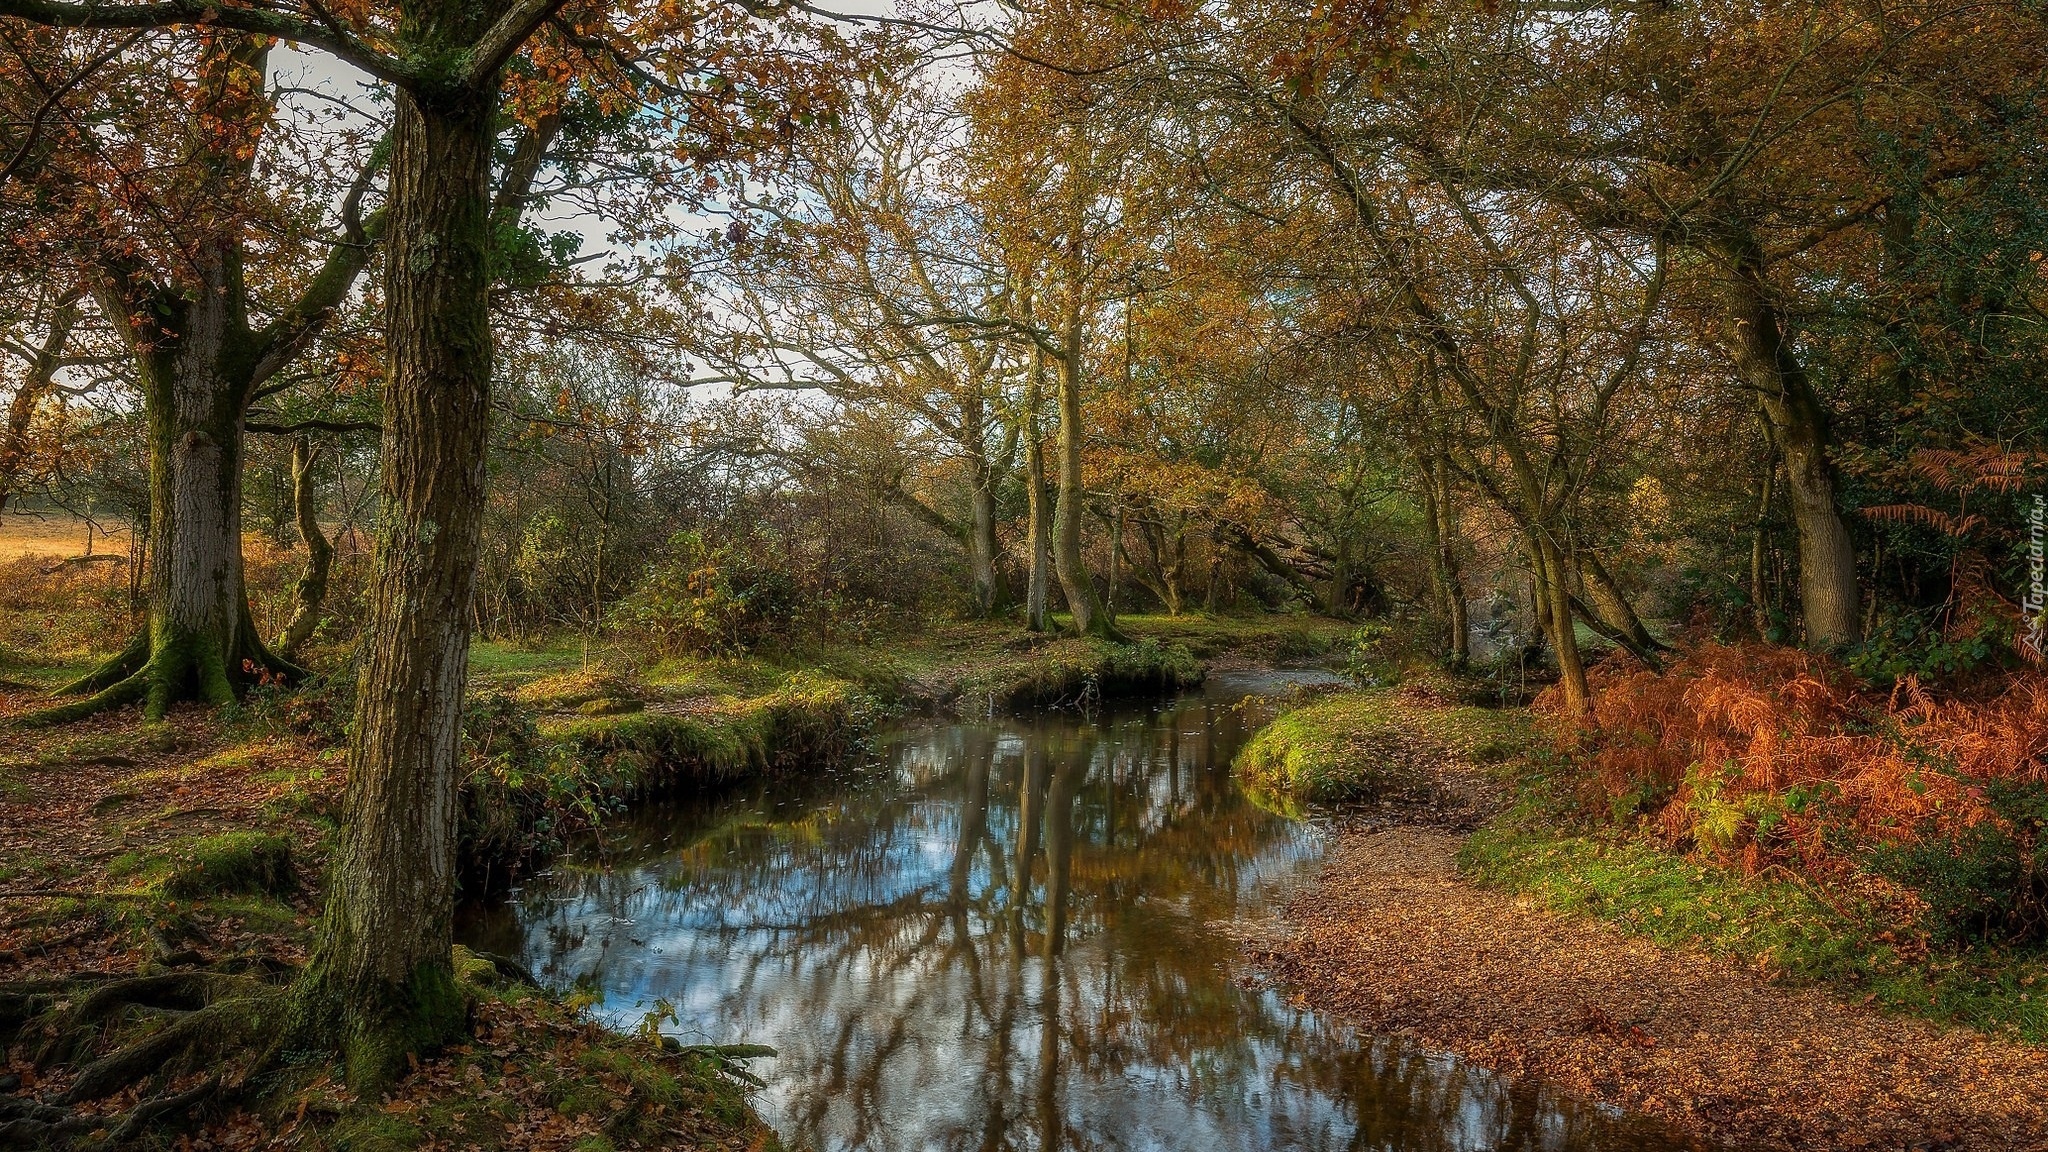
1764,756
723,599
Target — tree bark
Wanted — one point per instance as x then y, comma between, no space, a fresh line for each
1555,611
1829,594
1079,587
379,983
1038,532
310,593
1759,537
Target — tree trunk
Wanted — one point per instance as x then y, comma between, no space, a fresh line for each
1038,532
1438,527
311,591
1608,602
1759,538
197,372
1830,597
1173,571
1082,601
1453,568
379,984
1554,596
1116,557
981,542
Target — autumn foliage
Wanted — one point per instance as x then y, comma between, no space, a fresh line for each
1772,758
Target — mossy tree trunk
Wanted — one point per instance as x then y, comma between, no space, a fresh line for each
379,985
1830,598
198,365
200,362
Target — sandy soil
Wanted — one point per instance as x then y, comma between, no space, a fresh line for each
1393,939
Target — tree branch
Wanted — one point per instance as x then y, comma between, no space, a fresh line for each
504,38
331,37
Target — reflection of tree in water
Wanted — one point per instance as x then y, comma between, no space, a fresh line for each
1006,947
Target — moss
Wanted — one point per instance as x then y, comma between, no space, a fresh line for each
225,864
1356,745
805,718
369,1130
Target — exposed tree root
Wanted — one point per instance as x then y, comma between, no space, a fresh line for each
122,665
227,1026
161,674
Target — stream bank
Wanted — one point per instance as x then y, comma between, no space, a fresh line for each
1482,946
561,742
199,842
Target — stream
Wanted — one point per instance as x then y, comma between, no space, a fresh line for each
1009,933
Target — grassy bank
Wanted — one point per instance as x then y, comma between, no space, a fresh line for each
1786,929
1366,746
1848,937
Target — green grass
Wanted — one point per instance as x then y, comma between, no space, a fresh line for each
1781,929
505,664
1353,745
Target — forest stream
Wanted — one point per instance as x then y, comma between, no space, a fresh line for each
1010,933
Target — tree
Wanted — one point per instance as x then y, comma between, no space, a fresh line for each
379,985
170,275
1057,175
874,285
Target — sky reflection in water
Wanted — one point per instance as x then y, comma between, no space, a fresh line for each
1000,936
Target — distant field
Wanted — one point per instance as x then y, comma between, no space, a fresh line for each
57,534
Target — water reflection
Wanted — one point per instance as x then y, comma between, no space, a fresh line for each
1000,939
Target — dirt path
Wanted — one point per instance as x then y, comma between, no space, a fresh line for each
1393,939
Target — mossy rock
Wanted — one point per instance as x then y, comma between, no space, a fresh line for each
611,706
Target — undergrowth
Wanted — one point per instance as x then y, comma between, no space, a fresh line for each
1765,758
1768,805
1782,928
